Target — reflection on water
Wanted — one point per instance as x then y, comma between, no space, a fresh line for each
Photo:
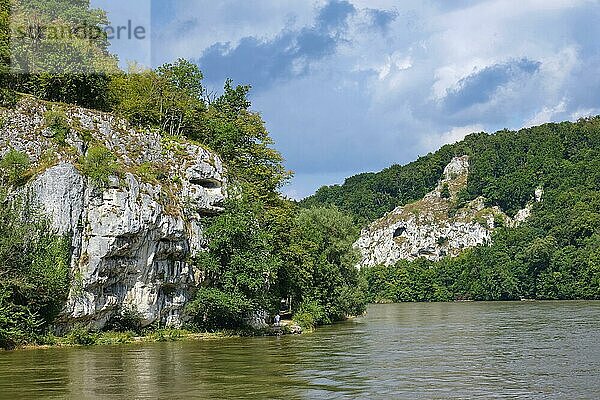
440,350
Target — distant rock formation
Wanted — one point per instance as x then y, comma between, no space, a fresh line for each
132,239
435,226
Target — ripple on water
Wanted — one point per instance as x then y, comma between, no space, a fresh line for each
446,350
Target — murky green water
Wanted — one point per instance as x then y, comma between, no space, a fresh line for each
448,350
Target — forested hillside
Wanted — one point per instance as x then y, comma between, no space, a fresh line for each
555,255
368,196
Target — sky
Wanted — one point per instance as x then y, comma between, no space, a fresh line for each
350,86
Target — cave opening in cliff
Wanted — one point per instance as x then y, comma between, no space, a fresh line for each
399,231
207,183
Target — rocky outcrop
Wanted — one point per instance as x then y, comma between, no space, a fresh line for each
133,238
436,226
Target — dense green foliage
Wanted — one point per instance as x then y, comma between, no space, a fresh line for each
324,281
34,264
259,255
13,166
368,196
99,164
555,255
56,122
169,98
239,269
58,51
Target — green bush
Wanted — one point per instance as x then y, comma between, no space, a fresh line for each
499,220
151,172
324,280
8,98
48,339
240,267
445,193
351,301
311,314
13,167
167,335
115,337
34,273
127,319
81,337
18,326
213,308
99,164
56,121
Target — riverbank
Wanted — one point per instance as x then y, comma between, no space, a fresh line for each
77,338
82,338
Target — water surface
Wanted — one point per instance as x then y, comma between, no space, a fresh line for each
505,350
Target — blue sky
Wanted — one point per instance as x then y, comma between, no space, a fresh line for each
348,86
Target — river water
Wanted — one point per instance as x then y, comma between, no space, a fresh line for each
503,350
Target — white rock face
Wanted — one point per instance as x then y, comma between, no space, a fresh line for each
432,227
131,241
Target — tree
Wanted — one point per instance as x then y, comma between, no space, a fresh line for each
181,100
59,52
5,93
169,98
34,267
242,140
239,269
322,263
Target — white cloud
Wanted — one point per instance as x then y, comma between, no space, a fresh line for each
456,134
584,112
492,32
395,62
546,114
556,69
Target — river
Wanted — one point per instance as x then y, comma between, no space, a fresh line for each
545,350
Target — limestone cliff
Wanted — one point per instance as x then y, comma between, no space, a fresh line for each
131,239
435,226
